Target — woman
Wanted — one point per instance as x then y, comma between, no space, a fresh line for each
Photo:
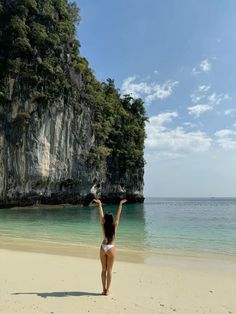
107,249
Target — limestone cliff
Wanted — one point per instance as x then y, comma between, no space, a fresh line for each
58,128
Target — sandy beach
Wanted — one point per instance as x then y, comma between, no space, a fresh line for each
43,283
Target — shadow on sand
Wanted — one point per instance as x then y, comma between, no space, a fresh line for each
60,294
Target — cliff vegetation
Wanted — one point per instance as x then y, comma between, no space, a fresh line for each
94,129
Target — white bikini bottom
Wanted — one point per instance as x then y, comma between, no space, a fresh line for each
107,247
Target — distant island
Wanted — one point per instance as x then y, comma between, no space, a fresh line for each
65,137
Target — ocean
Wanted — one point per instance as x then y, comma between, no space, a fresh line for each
194,226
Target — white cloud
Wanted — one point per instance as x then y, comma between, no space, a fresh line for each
204,66
135,89
196,98
230,112
204,88
156,72
161,91
226,139
189,124
224,133
173,142
200,93
197,110
209,101
227,144
162,118
148,91
195,71
165,141
216,99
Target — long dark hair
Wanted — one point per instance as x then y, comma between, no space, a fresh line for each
109,227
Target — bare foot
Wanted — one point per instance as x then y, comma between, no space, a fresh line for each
104,292
107,292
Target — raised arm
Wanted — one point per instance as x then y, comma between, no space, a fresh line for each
117,219
100,210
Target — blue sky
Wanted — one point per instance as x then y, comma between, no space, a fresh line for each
180,57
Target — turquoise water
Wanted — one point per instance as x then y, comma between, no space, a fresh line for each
189,225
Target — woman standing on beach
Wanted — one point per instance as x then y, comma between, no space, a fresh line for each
107,249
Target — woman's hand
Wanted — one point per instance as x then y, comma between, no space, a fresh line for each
123,201
97,201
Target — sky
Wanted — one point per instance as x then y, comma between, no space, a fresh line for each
179,56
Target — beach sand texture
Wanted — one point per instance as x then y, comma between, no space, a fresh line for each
56,284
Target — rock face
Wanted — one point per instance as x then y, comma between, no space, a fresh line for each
44,153
64,136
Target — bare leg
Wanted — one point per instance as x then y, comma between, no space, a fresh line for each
103,258
110,261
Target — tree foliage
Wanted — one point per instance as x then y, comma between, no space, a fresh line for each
39,37
119,124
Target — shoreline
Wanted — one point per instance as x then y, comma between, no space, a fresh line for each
39,206
68,200
45,283
157,258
